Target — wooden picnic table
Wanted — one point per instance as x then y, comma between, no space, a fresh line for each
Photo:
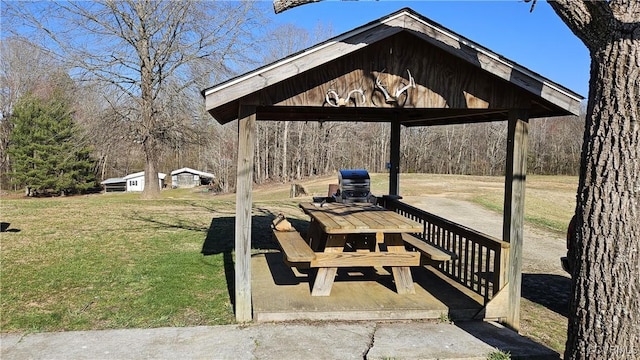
359,235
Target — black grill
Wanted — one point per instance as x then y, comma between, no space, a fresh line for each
354,186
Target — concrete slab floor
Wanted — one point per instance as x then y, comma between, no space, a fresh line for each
304,340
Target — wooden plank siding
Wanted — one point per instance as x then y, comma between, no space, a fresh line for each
492,63
292,67
441,81
450,72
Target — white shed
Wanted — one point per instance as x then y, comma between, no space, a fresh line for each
135,181
114,185
188,178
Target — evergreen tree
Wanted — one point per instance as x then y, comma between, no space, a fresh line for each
43,148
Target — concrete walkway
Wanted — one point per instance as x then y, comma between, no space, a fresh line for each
354,340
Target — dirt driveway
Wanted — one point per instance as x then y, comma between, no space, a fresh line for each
545,286
542,249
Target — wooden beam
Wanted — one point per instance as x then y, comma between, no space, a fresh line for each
496,308
244,183
401,274
513,224
365,259
296,64
325,276
394,158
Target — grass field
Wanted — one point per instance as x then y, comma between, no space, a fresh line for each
116,261
110,261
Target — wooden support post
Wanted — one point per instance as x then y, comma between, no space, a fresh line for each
244,184
394,157
513,224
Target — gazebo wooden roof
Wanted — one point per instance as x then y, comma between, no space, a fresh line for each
451,73
447,79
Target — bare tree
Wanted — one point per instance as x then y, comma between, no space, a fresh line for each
148,51
554,146
287,39
275,159
495,140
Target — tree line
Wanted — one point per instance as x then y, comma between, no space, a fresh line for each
285,151
292,151
132,102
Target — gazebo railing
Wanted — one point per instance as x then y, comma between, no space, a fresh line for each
480,262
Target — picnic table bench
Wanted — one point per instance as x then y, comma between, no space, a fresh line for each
356,235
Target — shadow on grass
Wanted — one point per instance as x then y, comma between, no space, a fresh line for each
4,227
548,290
507,340
220,235
220,239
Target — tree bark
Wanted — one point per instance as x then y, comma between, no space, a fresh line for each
604,313
282,5
605,308
149,143
151,179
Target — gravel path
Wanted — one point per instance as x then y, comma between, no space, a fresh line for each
541,251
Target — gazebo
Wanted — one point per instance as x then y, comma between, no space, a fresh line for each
406,70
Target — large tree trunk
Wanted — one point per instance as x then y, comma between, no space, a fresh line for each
150,144
604,313
151,178
605,308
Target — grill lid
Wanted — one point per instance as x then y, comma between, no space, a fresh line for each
356,174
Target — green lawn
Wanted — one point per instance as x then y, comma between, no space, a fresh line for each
111,261
116,261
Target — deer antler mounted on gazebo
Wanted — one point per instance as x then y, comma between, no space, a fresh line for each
400,92
333,99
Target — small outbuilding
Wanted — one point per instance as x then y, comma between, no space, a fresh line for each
114,185
135,181
188,178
